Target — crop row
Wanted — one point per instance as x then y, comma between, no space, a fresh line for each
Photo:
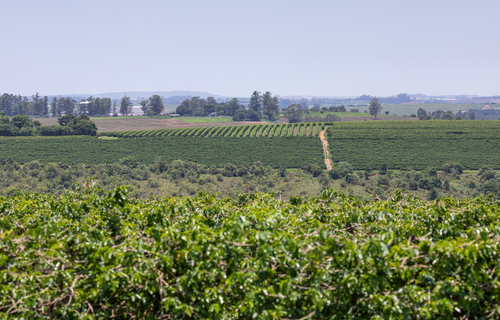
291,152
90,255
416,144
259,130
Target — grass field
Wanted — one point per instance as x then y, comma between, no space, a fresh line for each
416,144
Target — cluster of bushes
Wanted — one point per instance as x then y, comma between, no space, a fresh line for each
21,125
175,176
58,176
250,115
429,181
70,125
331,109
329,117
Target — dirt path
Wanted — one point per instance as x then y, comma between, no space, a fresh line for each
328,162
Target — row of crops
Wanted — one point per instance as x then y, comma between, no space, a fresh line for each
260,130
95,256
290,152
416,144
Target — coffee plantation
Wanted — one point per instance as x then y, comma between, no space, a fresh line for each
92,255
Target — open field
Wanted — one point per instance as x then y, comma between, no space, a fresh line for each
416,144
409,108
347,114
102,254
293,152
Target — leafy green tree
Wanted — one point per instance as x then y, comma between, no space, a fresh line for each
144,106
211,100
293,113
53,107
448,115
156,104
383,169
185,107
270,105
4,119
64,120
253,115
255,101
7,103
375,107
85,127
40,105
21,121
79,125
209,108
125,106
200,112
421,113
433,194
66,105
490,187
232,106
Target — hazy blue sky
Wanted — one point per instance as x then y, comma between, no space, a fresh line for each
327,48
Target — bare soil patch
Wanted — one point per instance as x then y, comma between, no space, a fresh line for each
328,162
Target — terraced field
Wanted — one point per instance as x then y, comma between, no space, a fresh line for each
251,131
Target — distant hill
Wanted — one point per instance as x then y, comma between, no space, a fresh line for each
144,94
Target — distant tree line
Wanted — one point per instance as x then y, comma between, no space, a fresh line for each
422,114
296,113
316,108
37,106
11,105
22,125
259,104
397,99
488,114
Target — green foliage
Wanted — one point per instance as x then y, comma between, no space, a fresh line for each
90,150
106,255
416,144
